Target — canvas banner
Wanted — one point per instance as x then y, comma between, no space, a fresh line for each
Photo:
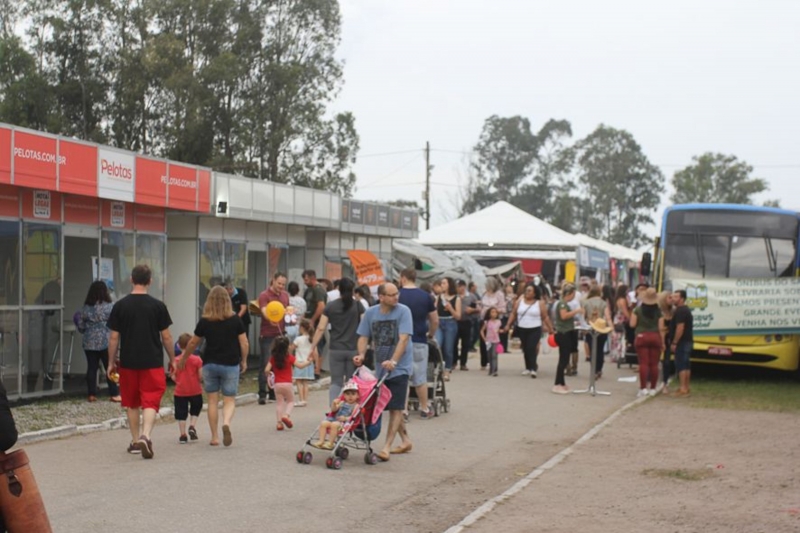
743,306
367,267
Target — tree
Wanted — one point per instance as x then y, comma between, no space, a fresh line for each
716,178
550,176
505,154
621,185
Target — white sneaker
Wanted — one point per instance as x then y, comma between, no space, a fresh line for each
526,372
642,392
533,373
652,392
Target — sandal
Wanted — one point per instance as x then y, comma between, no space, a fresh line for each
279,427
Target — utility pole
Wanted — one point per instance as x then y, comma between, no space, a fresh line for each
427,193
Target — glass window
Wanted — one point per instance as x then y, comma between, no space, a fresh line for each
694,256
41,264
9,351
212,268
9,263
277,259
118,247
236,263
750,257
151,250
41,357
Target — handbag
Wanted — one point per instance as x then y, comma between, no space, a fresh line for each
21,506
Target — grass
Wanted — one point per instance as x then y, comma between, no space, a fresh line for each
681,474
757,393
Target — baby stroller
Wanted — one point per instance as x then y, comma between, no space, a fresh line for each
361,428
436,391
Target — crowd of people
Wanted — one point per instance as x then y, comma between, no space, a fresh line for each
389,332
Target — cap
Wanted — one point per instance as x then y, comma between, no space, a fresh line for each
350,385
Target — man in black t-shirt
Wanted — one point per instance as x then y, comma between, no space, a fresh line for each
139,327
316,297
682,341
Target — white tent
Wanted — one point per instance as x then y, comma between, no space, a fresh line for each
500,226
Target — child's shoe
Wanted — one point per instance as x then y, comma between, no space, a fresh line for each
192,433
279,427
183,439
319,444
288,421
328,445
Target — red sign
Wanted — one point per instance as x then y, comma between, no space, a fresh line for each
151,181
150,219
182,187
5,155
78,173
41,205
117,215
35,161
82,210
204,186
9,201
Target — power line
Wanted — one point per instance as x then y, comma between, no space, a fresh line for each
388,153
390,174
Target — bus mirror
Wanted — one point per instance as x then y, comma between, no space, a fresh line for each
647,260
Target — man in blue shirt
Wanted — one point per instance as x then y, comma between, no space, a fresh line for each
388,327
426,320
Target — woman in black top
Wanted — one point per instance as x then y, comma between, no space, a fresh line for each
224,358
448,307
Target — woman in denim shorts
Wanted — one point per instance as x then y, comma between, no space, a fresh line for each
224,358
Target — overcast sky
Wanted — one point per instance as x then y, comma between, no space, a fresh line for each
684,77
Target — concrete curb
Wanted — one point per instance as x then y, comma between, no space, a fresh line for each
165,414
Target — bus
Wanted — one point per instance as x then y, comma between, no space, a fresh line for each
740,267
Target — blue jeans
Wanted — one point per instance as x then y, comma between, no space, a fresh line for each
446,336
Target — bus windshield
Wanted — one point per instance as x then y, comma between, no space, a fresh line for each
729,244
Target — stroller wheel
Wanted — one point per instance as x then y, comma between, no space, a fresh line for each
371,458
344,453
299,456
329,462
337,463
307,458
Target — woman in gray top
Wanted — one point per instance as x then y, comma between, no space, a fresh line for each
343,315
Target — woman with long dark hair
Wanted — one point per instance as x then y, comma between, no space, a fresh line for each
566,335
448,308
92,324
343,315
528,317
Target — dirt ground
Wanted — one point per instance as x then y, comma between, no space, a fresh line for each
744,470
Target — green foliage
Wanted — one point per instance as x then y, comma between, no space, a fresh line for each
716,178
622,185
241,85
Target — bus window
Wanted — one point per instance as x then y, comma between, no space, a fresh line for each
696,256
750,257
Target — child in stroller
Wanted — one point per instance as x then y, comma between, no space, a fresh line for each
358,429
341,410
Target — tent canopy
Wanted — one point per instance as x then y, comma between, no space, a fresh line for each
500,226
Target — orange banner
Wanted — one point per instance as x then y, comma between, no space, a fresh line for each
35,160
182,187
367,267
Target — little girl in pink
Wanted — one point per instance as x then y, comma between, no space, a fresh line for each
490,333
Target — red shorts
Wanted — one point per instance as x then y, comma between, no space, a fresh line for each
142,388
